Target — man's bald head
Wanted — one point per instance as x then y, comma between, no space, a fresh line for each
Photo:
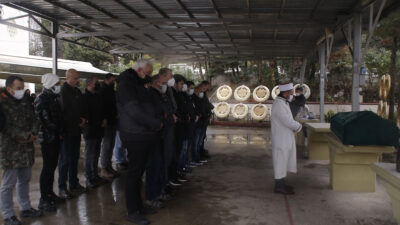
72,77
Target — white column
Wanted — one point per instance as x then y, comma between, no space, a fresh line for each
322,70
54,41
355,94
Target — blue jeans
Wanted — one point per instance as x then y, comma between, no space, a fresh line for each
68,163
107,146
119,150
184,156
199,135
92,153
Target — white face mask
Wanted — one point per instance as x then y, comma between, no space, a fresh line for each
19,94
184,89
171,82
56,89
164,88
290,98
201,95
191,91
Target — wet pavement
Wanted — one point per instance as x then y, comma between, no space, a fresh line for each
234,188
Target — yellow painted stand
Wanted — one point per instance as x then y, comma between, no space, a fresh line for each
317,142
350,166
300,139
387,171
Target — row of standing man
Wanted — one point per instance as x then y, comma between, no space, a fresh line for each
154,124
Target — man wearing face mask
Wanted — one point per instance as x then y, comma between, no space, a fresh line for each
155,175
139,126
75,117
190,125
204,153
201,124
93,131
170,143
283,127
179,91
107,93
48,111
17,150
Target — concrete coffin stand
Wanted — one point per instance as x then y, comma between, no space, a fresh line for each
317,142
350,166
387,171
300,138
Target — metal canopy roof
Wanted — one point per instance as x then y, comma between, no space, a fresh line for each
187,28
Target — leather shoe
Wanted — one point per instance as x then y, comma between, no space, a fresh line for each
65,194
137,218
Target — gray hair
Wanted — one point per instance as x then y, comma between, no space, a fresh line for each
141,63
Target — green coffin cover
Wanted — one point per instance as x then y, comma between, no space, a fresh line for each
364,128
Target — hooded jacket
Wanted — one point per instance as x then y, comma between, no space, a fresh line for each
20,124
48,112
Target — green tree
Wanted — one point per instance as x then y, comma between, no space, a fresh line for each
98,59
389,32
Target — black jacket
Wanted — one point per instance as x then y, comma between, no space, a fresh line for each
48,112
73,108
162,109
182,112
95,115
296,104
107,92
203,109
136,108
190,107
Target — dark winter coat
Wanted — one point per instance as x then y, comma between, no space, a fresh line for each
136,108
95,115
48,112
73,109
21,123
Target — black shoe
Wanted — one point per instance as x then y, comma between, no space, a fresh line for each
283,190
147,211
175,183
47,205
198,163
56,199
203,160
137,218
65,194
91,184
181,178
12,221
187,169
100,181
31,213
155,204
165,197
122,166
289,187
78,189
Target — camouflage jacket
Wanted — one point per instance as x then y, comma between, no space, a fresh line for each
20,124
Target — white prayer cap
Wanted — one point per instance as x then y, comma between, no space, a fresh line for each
286,87
49,80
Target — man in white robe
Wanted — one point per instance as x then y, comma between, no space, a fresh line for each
283,127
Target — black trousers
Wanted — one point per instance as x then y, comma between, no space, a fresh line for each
138,154
50,154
